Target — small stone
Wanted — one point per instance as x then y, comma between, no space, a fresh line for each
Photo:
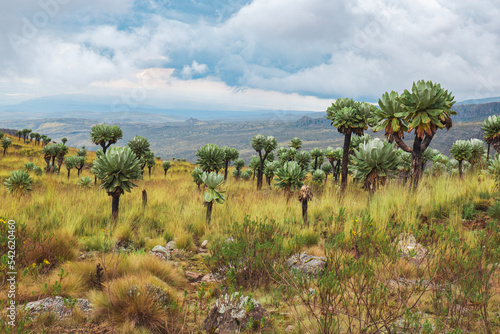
289,329
209,278
192,276
204,244
170,245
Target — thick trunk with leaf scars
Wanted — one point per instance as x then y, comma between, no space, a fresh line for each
496,144
416,162
345,161
210,206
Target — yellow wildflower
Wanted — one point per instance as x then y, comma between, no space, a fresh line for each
33,265
46,261
3,221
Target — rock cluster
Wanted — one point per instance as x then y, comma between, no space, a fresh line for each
56,305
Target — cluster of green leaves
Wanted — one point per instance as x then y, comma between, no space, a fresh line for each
210,158
213,180
374,161
289,176
18,183
117,168
348,115
491,128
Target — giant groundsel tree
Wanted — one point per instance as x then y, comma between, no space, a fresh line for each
461,150
117,168
105,135
424,110
491,128
212,194
230,154
349,117
264,147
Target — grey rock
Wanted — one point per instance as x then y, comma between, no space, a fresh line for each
170,245
307,264
204,244
56,305
161,252
232,313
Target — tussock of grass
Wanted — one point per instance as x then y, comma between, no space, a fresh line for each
136,302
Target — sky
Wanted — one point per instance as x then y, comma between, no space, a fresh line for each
243,54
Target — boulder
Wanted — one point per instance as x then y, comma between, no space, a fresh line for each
56,305
231,313
204,244
307,264
408,248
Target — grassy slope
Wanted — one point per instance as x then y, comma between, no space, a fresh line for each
175,208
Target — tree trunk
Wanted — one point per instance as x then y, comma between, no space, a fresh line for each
144,198
345,162
268,181
416,162
95,180
488,154
315,163
53,164
69,170
304,212
260,175
149,168
209,211
47,161
226,166
165,172
333,167
460,174
4,151
60,161
115,206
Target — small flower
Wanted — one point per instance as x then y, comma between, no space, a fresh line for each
46,261
33,265
3,221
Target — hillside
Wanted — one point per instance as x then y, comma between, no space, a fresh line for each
65,233
182,139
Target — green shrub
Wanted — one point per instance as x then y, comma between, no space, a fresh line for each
494,210
85,182
250,249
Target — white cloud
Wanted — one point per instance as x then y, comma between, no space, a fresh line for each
315,47
194,69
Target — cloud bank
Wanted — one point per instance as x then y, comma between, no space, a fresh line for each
246,55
